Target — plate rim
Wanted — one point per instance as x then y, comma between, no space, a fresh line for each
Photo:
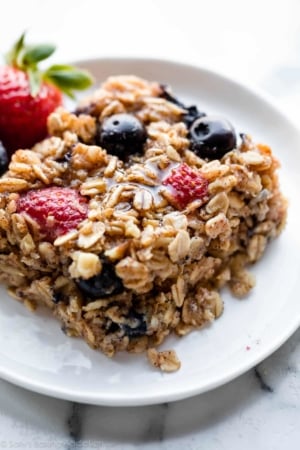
150,398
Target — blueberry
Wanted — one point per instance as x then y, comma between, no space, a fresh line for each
3,159
60,297
66,158
57,297
211,137
192,111
192,114
87,110
103,285
122,135
167,95
136,325
113,328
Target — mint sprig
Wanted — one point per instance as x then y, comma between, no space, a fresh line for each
65,77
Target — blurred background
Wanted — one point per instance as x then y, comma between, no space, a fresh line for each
256,41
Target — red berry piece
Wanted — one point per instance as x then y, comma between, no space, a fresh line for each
187,185
56,210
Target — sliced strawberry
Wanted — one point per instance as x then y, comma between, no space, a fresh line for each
56,210
186,185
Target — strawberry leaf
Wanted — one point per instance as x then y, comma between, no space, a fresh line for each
13,55
34,78
68,78
37,53
26,58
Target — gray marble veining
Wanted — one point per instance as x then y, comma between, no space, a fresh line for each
75,423
262,382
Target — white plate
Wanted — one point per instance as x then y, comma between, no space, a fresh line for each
35,354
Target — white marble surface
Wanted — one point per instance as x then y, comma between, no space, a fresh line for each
258,42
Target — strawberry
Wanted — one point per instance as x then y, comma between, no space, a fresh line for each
28,96
186,185
23,117
56,210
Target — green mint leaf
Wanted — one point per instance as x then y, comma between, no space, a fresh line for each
37,53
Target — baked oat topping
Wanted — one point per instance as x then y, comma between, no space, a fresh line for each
150,250
167,361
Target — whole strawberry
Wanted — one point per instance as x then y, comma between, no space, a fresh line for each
28,96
